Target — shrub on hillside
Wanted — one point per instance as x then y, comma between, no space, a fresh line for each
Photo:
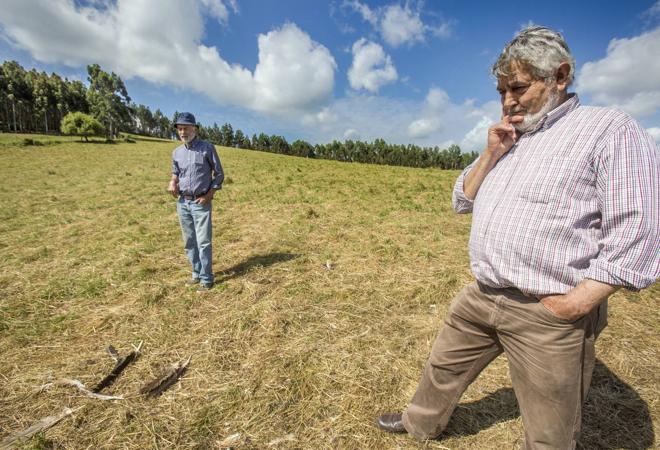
80,124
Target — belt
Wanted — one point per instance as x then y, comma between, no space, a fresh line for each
508,290
191,197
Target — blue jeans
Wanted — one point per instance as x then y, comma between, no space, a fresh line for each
195,220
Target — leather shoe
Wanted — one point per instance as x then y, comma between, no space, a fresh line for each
391,422
204,287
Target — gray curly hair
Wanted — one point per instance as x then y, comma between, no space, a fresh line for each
540,50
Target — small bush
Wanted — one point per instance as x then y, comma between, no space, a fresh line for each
80,124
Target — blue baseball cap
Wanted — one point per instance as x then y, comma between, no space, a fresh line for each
186,118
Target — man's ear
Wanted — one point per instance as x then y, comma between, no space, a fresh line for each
562,76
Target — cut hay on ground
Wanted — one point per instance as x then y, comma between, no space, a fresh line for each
334,279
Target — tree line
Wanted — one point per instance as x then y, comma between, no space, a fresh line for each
35,102
376,152
32,101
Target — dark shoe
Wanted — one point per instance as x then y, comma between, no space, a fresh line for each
204,287
192,282
391,422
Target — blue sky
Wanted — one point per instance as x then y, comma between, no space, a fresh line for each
406,71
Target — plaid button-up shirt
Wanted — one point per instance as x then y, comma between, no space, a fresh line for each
578,197
198,167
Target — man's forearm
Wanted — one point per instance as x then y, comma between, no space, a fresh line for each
589,294
173,187
580,300
476,176
501,138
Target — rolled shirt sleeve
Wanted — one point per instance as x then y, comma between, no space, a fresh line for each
460,203
628,189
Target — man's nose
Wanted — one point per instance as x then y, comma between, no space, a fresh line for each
508,100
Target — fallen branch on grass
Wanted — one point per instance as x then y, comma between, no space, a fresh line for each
35,428
165,380
81,387
121,364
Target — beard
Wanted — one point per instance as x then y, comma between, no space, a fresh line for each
530,120
189,138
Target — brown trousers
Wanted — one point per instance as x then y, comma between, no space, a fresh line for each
550,361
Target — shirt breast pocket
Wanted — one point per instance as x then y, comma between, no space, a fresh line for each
546,181
199,159
539,193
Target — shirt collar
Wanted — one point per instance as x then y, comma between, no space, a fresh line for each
560,111
191,144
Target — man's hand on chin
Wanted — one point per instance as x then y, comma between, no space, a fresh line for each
562,307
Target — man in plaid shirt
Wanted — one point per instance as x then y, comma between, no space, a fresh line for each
566,210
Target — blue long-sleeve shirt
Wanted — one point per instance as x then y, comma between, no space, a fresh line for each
198,167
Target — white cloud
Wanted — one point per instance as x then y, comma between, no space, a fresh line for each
655,134
400,25
371,68
294,74
322,118
435,121
436,100
475,139
370,117
351,133
628,77
424,127
488,114
218,9
444,30
441,118
367,13
653,13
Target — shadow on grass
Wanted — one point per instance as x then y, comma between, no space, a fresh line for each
614,415
241,269
95,141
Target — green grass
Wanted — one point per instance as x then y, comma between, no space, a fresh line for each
334,281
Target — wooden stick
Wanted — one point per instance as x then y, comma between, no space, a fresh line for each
166,379
35,428
81,387
122,363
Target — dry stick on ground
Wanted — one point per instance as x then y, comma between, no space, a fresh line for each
49,421
165,380
113,353
78,384
122,363
35,428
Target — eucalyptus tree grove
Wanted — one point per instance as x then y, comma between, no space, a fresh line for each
32,101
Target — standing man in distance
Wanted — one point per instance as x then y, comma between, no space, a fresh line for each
196,175
566,206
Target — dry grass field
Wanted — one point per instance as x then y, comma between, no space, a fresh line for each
334,279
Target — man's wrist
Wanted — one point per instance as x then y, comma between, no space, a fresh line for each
489,158
587,295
